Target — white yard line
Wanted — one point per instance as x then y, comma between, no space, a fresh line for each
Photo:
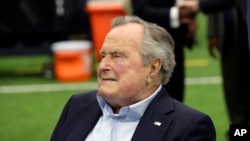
22,89
47,87
203,80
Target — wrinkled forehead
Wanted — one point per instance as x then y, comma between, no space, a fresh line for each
127,35
128,31
111,45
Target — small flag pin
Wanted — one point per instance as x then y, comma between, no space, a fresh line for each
157,123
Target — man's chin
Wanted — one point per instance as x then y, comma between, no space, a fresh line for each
104,91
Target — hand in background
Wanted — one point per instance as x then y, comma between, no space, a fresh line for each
213,47
192,5
186,12
187,16
192,26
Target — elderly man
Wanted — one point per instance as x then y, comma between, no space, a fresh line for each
130,103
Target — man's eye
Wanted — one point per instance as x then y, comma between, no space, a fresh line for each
116,55
102,55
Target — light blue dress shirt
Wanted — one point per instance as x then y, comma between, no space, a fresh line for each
121,126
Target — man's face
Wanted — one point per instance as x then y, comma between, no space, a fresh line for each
122,78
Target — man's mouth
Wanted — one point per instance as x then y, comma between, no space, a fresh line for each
108,79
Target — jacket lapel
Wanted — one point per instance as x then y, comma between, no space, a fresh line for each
155,121
87,122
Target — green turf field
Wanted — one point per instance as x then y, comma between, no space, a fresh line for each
31,116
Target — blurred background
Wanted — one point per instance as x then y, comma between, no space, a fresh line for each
39,39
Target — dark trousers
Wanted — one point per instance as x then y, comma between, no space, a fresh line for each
236,74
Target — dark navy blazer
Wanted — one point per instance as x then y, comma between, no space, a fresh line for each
178,121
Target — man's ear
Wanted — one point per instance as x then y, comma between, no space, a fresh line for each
155,66
154,69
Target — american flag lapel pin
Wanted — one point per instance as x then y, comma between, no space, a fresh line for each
157,123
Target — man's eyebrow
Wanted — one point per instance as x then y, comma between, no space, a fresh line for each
102,52
116,52
112,52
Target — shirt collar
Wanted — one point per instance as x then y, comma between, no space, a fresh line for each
131,112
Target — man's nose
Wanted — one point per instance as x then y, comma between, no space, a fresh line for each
104,63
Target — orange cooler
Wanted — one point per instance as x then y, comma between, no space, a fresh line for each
101,15
72,60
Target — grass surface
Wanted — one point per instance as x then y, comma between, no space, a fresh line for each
32,116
